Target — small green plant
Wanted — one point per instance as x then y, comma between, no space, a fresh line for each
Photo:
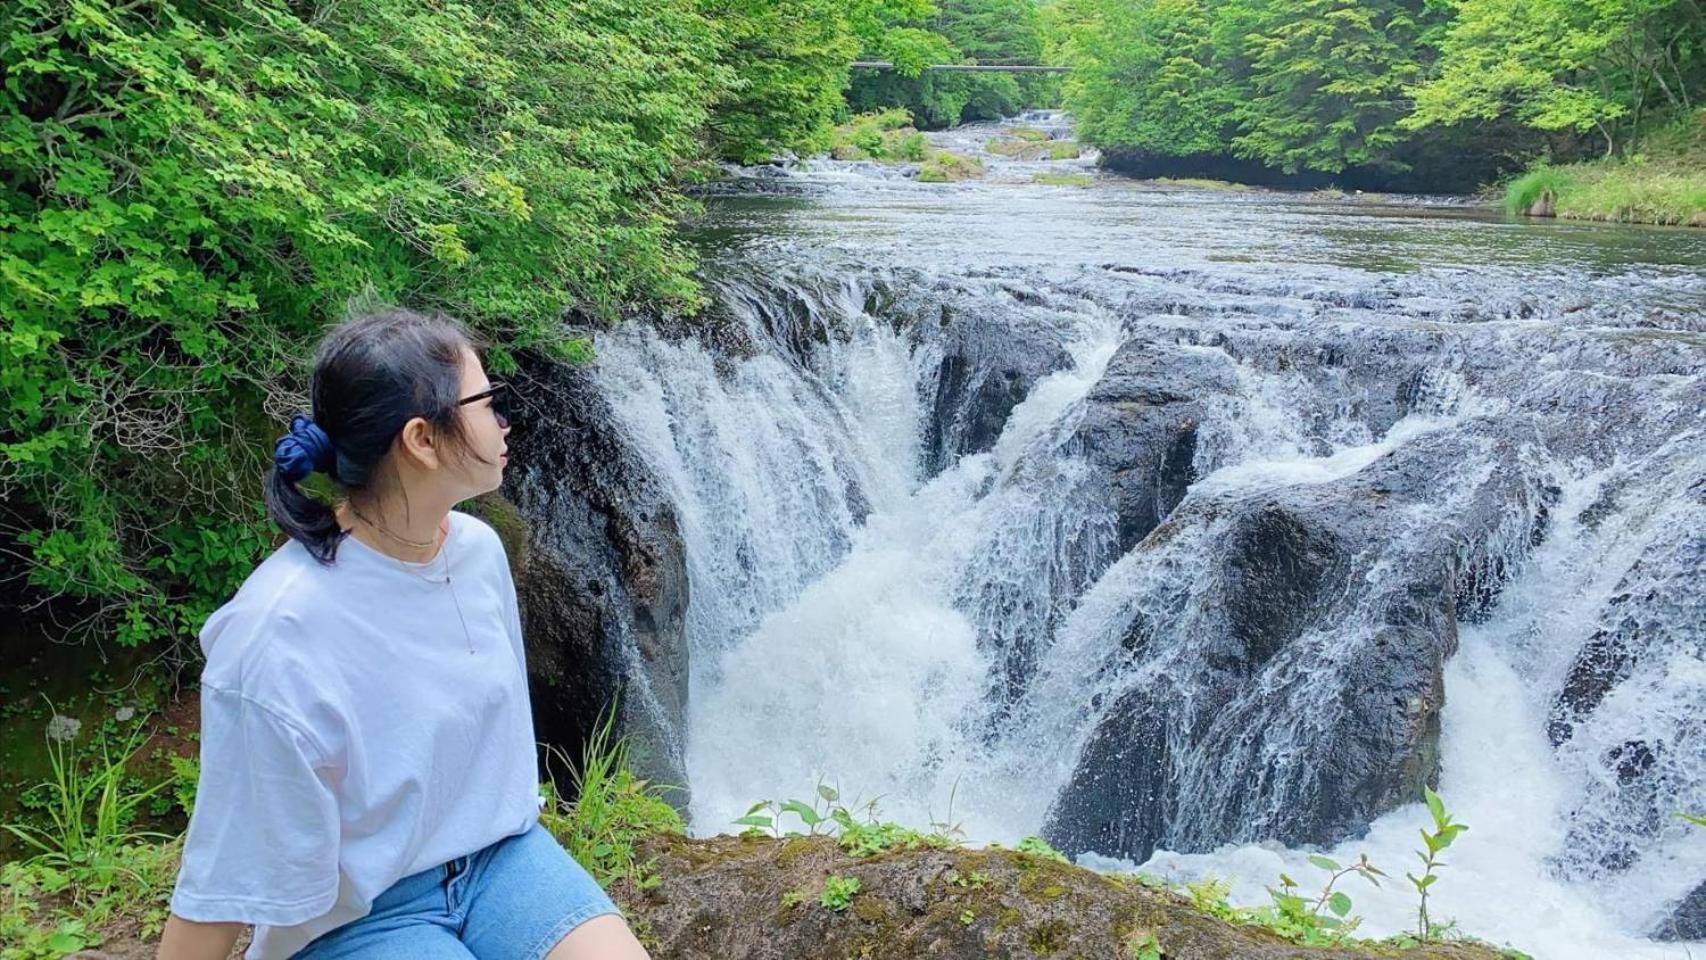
88,813
968,917
792,899
1144,945
1444,832
857,829
885,137
838,892
614,809
942,166
1324,921
1209,895
1038,847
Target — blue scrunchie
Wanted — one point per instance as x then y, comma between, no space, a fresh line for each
303,450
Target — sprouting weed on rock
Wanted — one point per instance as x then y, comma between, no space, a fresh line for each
838,892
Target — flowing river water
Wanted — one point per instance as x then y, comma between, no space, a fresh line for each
1194,527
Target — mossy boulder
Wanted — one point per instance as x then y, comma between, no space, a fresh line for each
758,899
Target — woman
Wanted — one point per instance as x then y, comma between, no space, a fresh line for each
368,778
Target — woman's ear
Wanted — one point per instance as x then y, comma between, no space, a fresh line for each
418,443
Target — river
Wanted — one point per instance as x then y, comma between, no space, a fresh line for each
1196,528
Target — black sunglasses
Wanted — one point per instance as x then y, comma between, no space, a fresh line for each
499,395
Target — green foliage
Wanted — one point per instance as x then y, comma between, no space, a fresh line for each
858,829
614,809
89,864
1324,85
1149,75
956,31
47,912
1038,847
1662,181
1327,81
190,191
1145,945
838,892
1444,832
788,63
1062,179
88,814
1697,820
886,136
1531,188
1326,920
943,166
1566,66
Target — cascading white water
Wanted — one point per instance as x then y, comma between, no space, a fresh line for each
947,644
1501,776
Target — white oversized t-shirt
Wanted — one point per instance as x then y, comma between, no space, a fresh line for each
353,735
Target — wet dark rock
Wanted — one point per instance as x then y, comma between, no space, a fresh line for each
1606,660
1688,920
1140,428
1635,776
985,370
1295,696
604,587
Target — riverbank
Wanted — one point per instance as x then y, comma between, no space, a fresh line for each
1661,181
857,888
1617,191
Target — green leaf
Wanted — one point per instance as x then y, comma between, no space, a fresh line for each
1436,806
1340,904
1325,863
807,815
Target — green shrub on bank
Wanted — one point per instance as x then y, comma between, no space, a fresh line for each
886,136
1662,181
945,167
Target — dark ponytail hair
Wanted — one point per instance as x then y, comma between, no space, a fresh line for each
372,374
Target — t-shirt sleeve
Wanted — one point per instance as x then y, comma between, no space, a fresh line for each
262,846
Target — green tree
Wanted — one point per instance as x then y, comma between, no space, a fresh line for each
1599,66
1327,79
1147,75
789,63
189,191
955,31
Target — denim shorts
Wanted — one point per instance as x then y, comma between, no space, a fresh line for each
514,900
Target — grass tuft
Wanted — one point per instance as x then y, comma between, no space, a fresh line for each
614,809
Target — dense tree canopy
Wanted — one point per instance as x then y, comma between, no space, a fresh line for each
1327,85
955,31
190,191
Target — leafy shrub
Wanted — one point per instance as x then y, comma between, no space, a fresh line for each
945,167
190,191
886,136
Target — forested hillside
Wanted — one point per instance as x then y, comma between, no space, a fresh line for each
1431,94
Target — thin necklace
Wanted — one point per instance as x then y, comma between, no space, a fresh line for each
454,598
417,544
448,580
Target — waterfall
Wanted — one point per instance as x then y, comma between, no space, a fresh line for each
1196,564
